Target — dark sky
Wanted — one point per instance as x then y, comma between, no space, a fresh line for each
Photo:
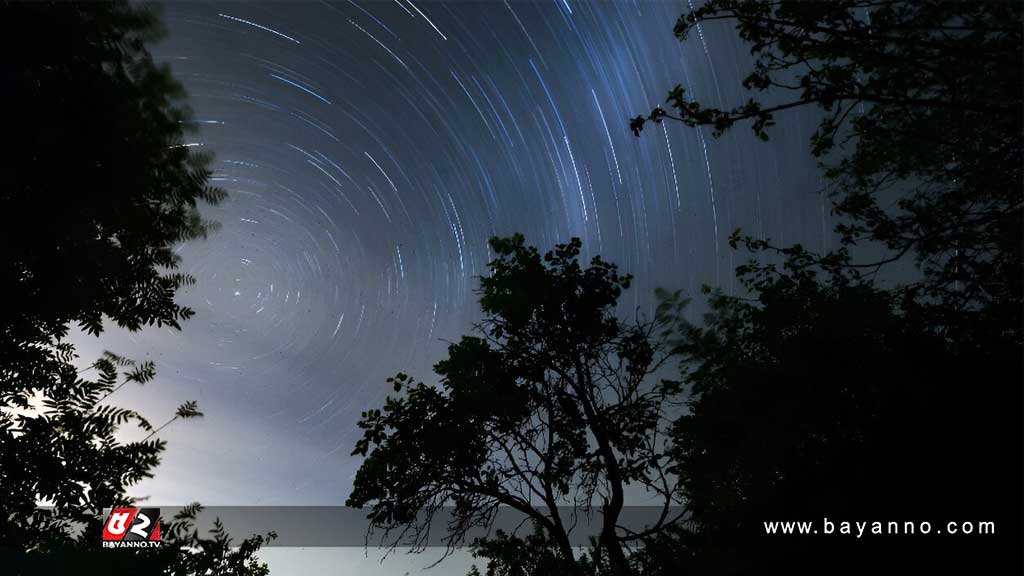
370,151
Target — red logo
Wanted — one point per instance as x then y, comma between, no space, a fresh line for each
132,528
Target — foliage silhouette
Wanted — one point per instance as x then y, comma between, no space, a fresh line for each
920,137
664,551
553,402
101,187
819,393
511,555
825,396
186,553
66,454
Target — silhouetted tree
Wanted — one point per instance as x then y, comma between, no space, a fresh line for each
66,454
922,114
513,555
825,396
101,186
663,551
818,393
554,402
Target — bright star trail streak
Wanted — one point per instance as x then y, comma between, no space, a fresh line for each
418,11
608,134
260,27
370,150
301,87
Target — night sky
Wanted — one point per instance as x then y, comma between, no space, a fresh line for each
370,151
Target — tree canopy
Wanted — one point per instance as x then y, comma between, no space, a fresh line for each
100,184
820,392
827,397
101,187
555,402
67,455
922,112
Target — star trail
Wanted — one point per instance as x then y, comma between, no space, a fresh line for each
370,150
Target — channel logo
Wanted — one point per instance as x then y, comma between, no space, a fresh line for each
132,528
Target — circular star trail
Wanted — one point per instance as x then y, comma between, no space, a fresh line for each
370,150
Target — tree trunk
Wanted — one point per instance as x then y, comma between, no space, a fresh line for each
565,547
616,556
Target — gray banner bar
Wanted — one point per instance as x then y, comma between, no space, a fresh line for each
336,526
